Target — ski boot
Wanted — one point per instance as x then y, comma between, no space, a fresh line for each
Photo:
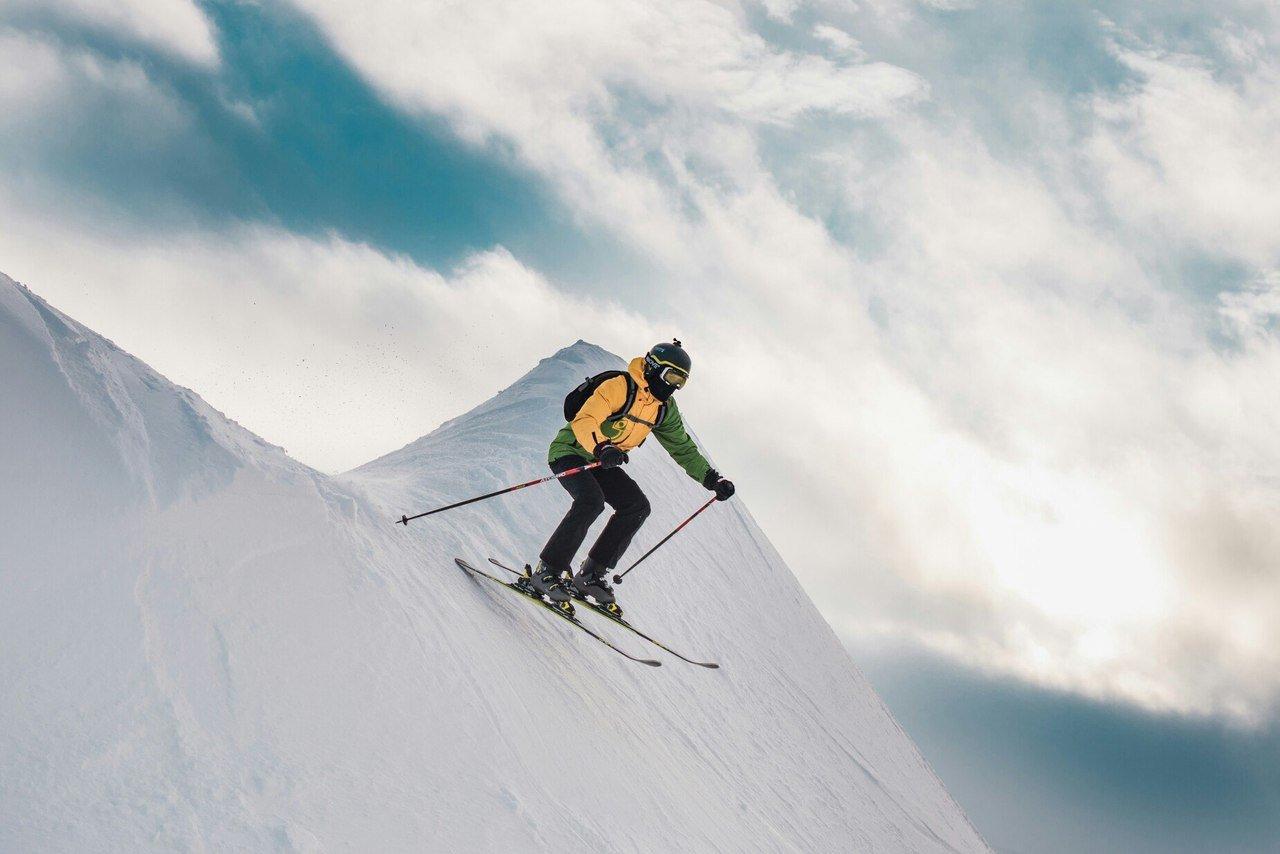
591,584
546,583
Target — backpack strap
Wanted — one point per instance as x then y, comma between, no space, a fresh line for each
632,389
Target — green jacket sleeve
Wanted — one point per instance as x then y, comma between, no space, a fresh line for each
672,436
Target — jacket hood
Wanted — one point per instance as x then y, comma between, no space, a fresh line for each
636,369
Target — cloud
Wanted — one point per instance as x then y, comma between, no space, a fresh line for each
839,40
602,97
1055,469
269,136
1250,315
780,10
555,63
1188,150
1047,465
103,133
48,85
175,27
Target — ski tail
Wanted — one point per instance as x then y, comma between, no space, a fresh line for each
710,665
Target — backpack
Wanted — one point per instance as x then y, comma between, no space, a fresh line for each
574,400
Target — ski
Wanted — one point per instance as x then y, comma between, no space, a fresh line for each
569,617
615,619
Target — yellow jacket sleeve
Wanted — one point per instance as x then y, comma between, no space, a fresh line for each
607,399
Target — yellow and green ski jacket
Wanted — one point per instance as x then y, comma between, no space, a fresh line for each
596,423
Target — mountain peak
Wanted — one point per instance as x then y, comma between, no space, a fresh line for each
530,405
580,348
579,356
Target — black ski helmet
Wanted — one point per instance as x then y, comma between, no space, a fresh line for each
666,368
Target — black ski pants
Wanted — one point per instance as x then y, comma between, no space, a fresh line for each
591,490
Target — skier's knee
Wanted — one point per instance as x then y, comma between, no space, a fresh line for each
640,507
589,507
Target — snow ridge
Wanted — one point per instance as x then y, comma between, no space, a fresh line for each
207,645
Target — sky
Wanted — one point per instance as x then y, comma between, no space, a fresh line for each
982,296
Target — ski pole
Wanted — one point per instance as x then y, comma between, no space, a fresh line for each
617,579
405,520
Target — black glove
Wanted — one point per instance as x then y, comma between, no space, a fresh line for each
610,455
721,487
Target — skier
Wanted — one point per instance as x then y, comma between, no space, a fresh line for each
609,415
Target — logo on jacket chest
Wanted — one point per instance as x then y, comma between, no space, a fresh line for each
626,425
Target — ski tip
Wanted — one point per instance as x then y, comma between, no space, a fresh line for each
710,665
649,661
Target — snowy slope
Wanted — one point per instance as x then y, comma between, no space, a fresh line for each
205,645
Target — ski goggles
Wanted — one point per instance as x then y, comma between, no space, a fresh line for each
673,377
670,374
